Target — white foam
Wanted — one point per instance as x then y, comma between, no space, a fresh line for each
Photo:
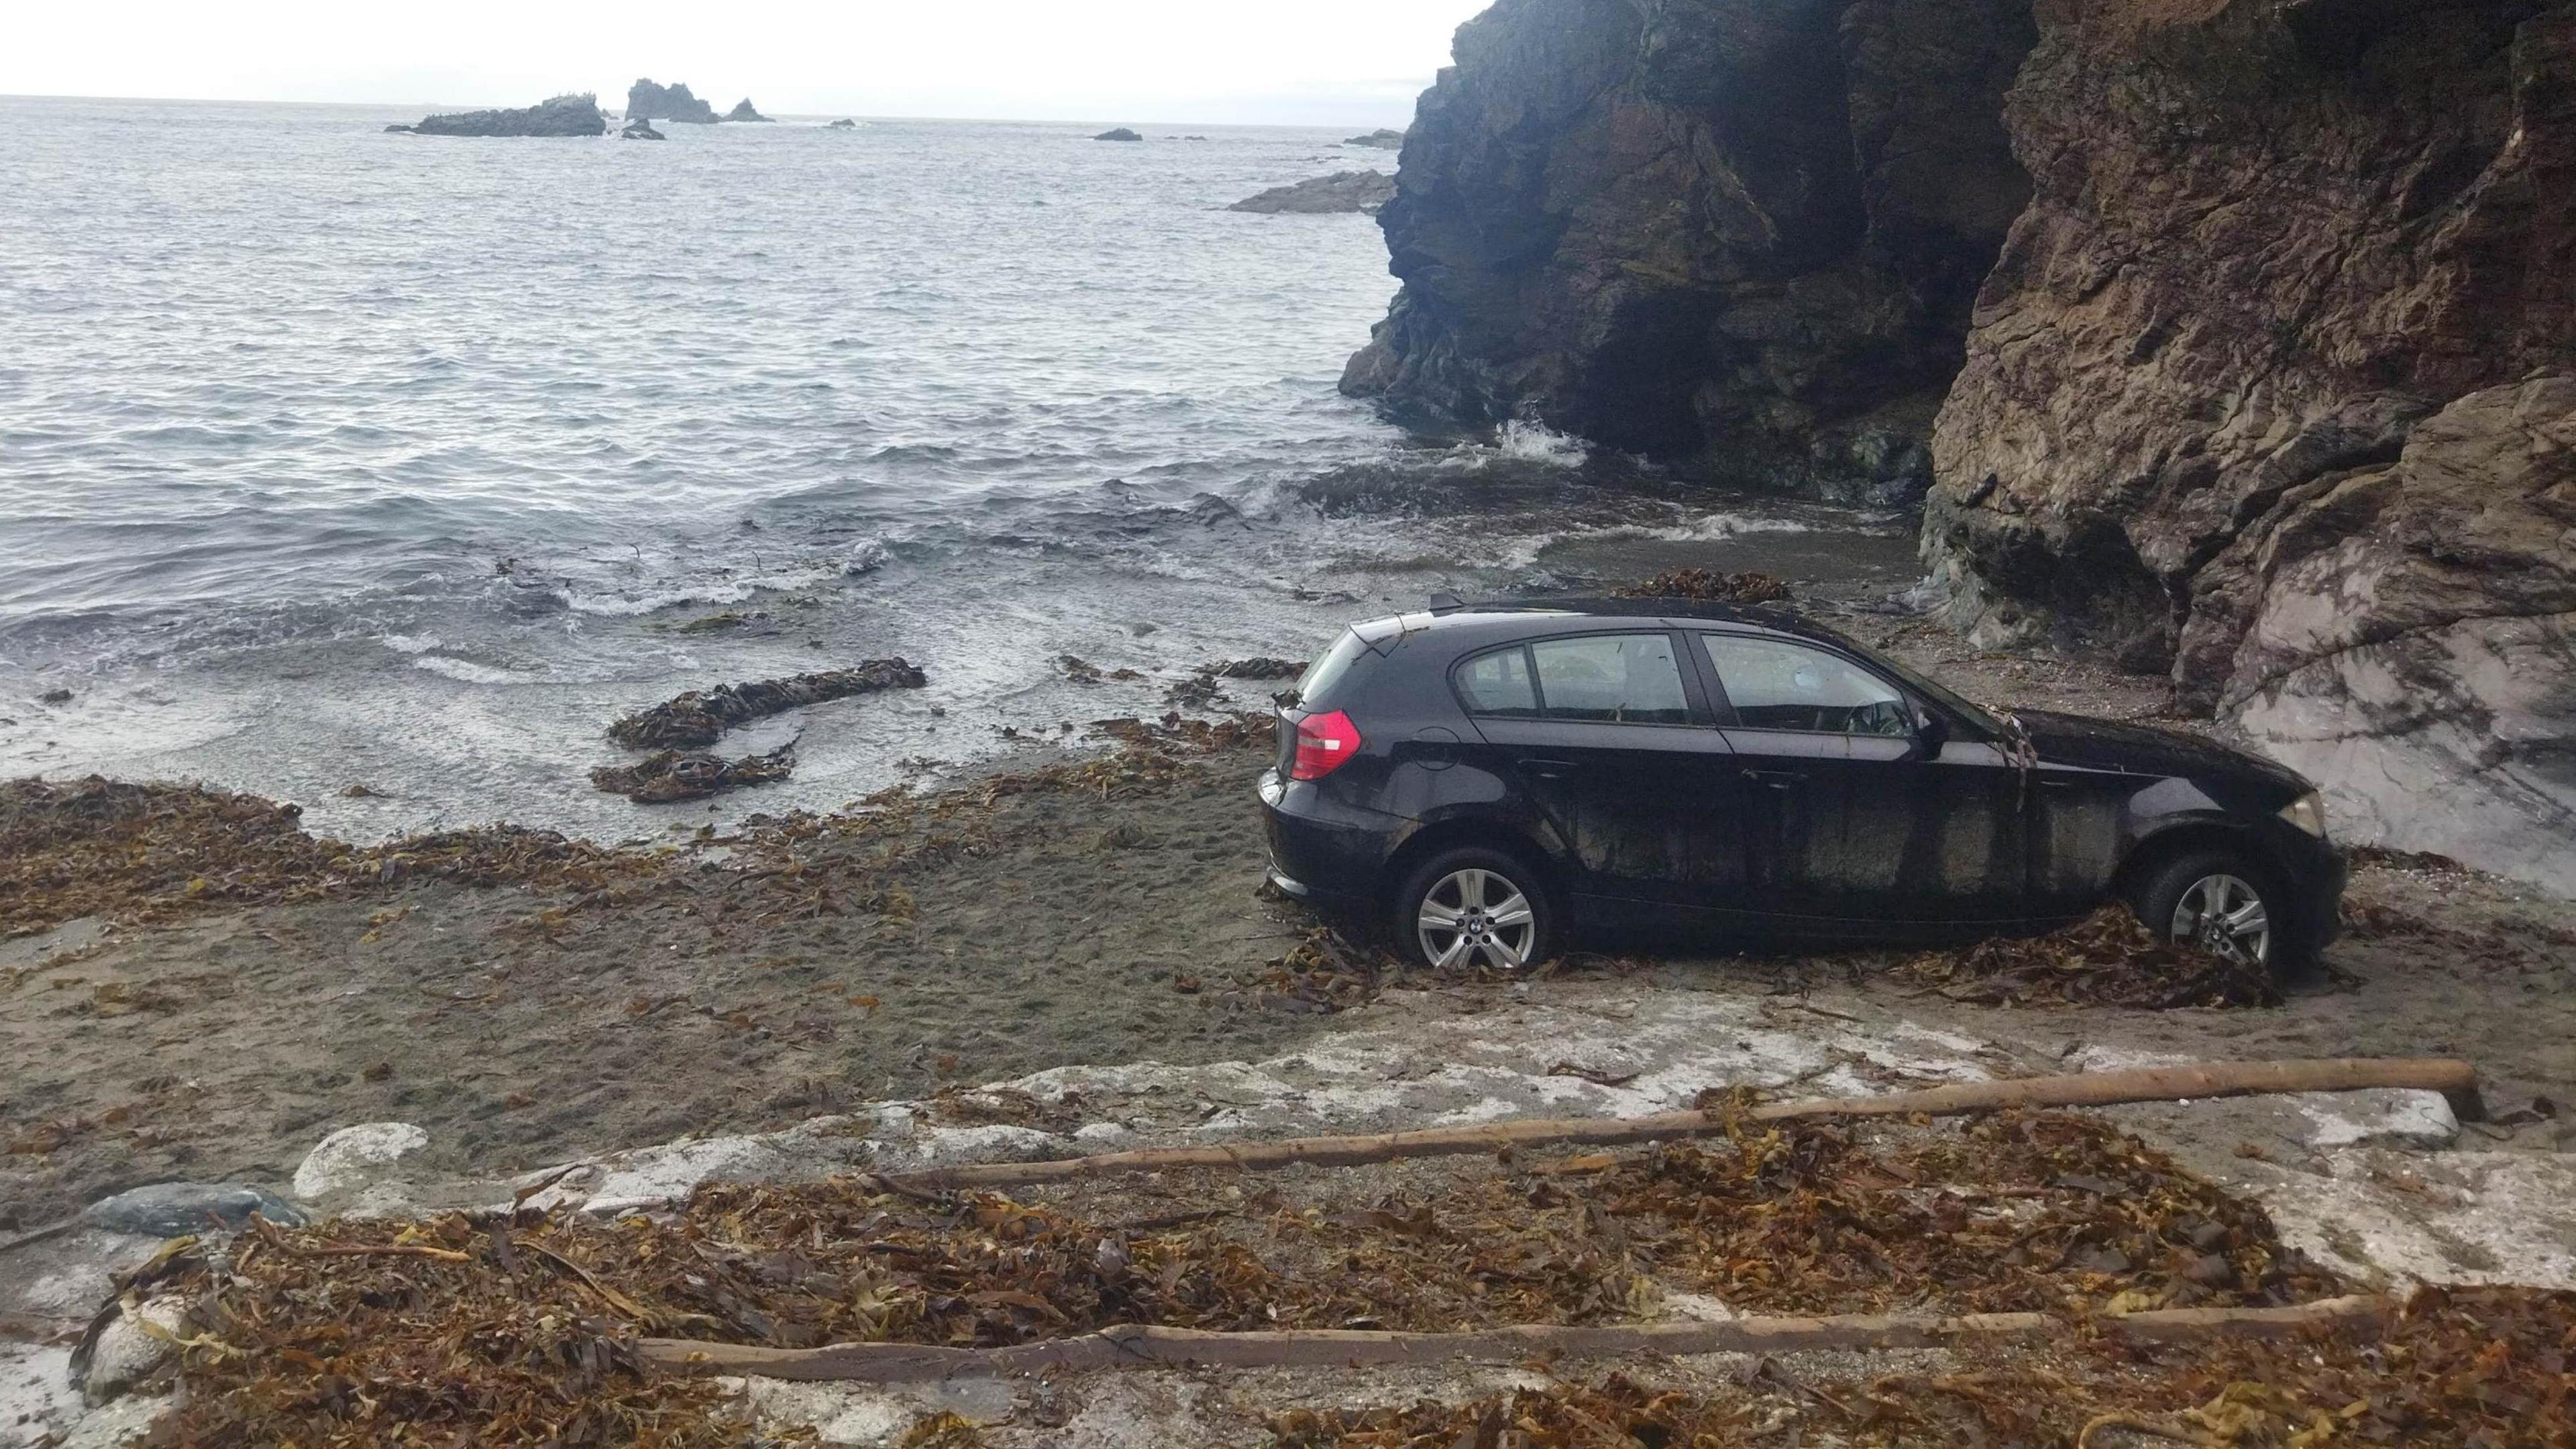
466,671
1538,443
411,643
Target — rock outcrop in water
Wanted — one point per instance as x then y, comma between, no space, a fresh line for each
1380,139
646,101
1741,233
743,111
563,116
1364,191
641,130
2240,335
1120,133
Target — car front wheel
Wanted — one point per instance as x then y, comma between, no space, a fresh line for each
2219,902
1473,907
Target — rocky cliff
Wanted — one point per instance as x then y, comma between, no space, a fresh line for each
1741,233
646,101
2273,388
2235,338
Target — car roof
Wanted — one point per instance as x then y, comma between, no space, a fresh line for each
1522,618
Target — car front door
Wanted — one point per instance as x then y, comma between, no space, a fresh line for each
1855,816
1604,734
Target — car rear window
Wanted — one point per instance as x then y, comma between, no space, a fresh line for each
1315,688
1610,678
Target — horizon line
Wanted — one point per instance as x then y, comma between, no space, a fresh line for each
407,105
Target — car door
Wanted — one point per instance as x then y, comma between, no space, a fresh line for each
1855,816
1602,731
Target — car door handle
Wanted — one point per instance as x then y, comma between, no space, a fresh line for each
1548,769
1776,779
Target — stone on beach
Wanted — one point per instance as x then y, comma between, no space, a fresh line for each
174,1209
355,1157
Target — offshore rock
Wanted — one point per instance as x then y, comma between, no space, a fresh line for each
641,130
1119,134
843,124
1343,191
742,111
566,115
1380,139
1741,234
646,101
2270,391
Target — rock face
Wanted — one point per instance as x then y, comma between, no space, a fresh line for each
1119,134
563,116
646,101
1366,191
1742,234
742,111
2273,388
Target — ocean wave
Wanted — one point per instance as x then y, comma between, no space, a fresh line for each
410,643
466,671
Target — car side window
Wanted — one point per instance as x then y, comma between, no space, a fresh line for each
1611,678
1776,685
1499,683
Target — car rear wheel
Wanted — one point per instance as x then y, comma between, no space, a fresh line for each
1473,907
2218,901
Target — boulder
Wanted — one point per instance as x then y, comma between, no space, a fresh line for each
175,1209
125,1353
566,115
1739,235
642,131
1120,134
1380,139
355,1157
743,111
1343,191
646,101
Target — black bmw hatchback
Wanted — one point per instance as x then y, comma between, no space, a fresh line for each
1486,779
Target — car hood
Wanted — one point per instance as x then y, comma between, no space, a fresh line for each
2100,744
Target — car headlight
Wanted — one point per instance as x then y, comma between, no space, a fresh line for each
2308,812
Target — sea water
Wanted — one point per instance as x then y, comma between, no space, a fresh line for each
331,458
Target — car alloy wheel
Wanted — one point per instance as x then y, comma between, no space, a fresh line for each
2225,916
1474,913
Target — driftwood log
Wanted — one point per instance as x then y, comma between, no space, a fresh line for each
1134,1347
2455,1080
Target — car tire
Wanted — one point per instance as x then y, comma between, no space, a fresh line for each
1439,920
2204,897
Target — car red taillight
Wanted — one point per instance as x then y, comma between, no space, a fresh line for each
1325,743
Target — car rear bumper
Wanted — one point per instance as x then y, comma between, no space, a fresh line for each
1319,851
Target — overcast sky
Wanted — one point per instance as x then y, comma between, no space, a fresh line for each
1325,62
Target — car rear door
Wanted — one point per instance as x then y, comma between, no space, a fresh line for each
1849,820
1605,733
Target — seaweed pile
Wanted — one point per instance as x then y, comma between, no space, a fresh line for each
699,718
521,1332
2480,1367
1708,586
146,852
673,775
2109,958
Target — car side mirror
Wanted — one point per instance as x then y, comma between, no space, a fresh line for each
1932,729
